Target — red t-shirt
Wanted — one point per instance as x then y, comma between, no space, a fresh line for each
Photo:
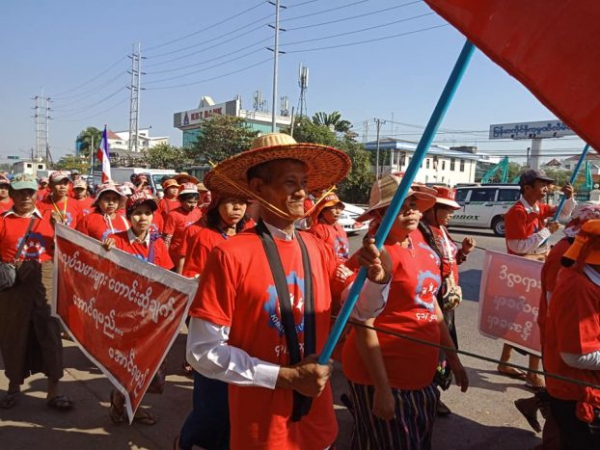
97,225
548,278
166,205
42,194
410,310
39,245
199,243
177,222
67,207
142,251
237,290
334,236
573,326
520,224
85,206
188,238
5,206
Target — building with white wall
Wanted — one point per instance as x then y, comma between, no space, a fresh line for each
441,165
190,121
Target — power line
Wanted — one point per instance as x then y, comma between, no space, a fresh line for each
237,58
93,90
206,28
360,16
60,94
93,105
212,78
337,8
262,41
320,38
368,40
79,119
301,4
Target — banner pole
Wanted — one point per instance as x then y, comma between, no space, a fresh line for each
572,181
394,208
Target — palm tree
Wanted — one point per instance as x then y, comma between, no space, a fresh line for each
333,121
85,139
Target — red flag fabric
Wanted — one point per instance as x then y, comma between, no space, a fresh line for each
550,46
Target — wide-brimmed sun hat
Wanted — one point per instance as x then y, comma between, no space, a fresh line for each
58,176
188,188
184,177
580,215
138,199
328,201
326,166
446,196
383,192
107,187
171,182
586,248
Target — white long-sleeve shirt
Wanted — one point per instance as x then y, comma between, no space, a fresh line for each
209,353
535,244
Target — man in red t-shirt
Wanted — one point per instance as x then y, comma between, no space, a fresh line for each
527,235
238,332
64,209
572,342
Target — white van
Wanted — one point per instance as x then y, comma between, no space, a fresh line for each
484,206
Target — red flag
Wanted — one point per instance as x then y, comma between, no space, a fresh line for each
550,46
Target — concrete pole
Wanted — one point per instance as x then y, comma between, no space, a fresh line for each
275,68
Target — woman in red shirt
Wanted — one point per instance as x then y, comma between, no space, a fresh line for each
169,202
433,227
105,219
5,200
142,243
326,227
207,426
180,219
27,241
391,379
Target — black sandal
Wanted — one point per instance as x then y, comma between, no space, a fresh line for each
9,400
116,414
60,403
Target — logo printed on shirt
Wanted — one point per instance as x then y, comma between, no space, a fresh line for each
433,255
341,248
273,309
34,247
428,284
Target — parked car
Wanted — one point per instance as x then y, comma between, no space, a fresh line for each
484,206
348,219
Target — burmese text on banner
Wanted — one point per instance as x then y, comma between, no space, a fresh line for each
509,298
123,313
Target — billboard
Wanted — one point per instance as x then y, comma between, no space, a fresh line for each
191,118
531,130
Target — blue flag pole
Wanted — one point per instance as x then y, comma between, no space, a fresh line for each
394,208
572,181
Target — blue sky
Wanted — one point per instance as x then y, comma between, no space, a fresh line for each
75,52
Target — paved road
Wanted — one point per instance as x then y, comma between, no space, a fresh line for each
483,418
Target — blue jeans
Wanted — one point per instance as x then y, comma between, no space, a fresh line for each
207,425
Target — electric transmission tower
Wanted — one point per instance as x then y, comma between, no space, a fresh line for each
41,116
134,99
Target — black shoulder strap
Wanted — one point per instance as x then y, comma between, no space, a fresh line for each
25,237
302,403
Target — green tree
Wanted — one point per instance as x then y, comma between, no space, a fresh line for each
307,131
333,120
85,139
72,162
356,187
562,177
165,156
221,137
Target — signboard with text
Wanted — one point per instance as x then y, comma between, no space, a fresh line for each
509,297
530,130
122,312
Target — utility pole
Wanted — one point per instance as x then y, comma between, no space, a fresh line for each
379,123
134,98
275,51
